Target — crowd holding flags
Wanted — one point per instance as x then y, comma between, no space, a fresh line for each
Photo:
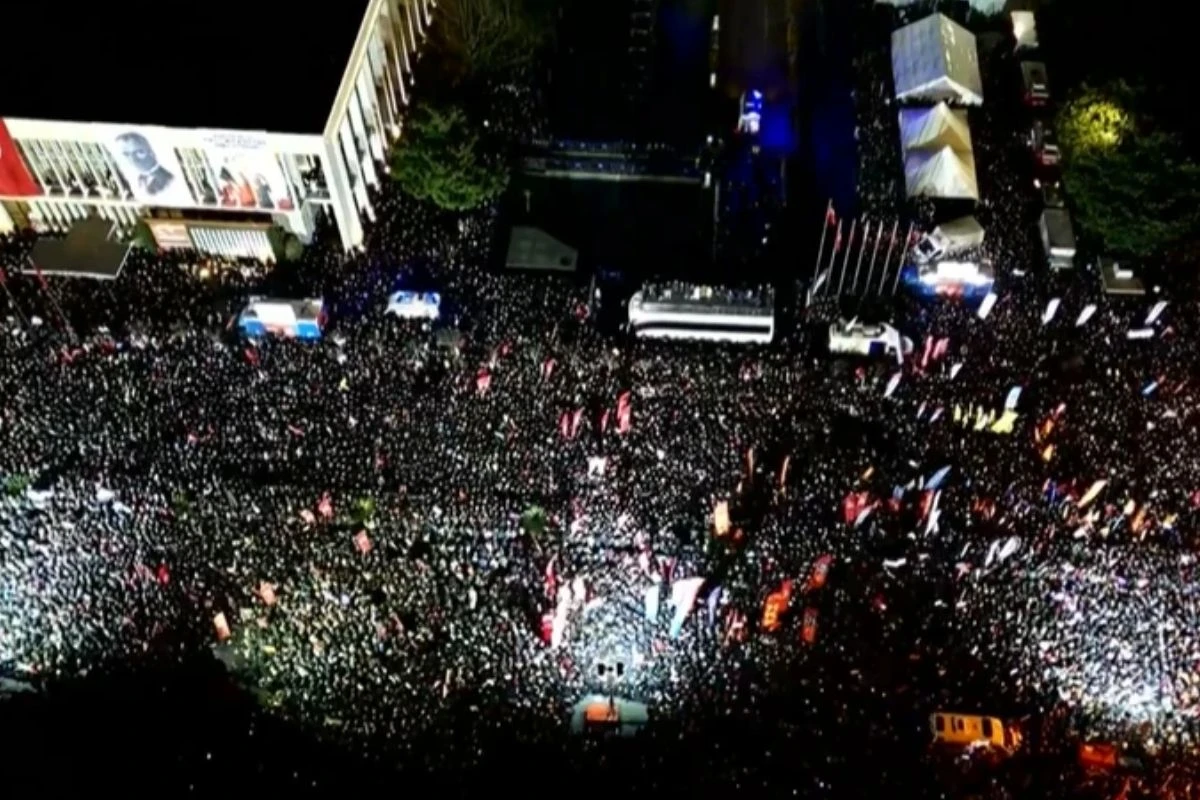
862,243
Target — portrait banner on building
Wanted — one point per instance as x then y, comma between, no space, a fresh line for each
16,180
147,160
246,170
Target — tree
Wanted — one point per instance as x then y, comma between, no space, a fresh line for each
490,37
293,248
143,237
445,159
1134,190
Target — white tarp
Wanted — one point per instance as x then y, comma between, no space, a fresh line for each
1025,30
935,59
982,6
934,128
942,174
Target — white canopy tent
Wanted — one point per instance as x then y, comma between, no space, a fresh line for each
934,59
933,128
982,6
943,174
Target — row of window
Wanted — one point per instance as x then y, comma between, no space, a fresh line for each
233,242
58,217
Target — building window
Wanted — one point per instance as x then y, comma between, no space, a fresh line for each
198,174
311,172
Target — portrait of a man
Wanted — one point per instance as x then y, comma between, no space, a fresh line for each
151,177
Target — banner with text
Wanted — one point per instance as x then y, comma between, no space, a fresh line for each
247,171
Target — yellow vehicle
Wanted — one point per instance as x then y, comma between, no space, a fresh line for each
966,730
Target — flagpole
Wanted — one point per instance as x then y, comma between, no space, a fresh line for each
16,306
53,301
903,255
862,251
837,242
888,260
846,259
821,246
875,253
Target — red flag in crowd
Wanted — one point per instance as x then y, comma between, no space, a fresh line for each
808,633
483,380
221,626
854,504
820,573
604,421
547,368
774,607
564,425
162,575
325,506
362,542
623,412
576,419
251,356
550,580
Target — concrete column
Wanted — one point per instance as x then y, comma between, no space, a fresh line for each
342,197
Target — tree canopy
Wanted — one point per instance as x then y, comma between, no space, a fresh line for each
1134,189
444,159
492,36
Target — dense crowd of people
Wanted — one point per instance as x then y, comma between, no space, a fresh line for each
364,527
394,534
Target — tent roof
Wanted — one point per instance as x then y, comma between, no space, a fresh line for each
934,128
88,251
935,59
942,174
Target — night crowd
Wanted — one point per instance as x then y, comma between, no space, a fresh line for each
399,535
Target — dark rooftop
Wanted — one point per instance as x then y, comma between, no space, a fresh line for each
637,227
240,64
621,76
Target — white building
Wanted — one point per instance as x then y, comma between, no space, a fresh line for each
283,135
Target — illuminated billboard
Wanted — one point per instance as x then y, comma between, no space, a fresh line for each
15,178
147,161
246,170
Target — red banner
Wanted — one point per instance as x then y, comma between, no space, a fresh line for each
15,178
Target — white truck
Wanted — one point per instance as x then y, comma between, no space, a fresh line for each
865,339
949,239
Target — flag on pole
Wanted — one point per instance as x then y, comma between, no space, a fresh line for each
830,215
837,238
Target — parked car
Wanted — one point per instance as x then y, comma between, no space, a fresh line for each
1037,85
1051,192
1044,144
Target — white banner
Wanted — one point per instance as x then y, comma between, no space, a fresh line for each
246,170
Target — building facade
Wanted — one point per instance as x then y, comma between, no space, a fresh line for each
218,190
